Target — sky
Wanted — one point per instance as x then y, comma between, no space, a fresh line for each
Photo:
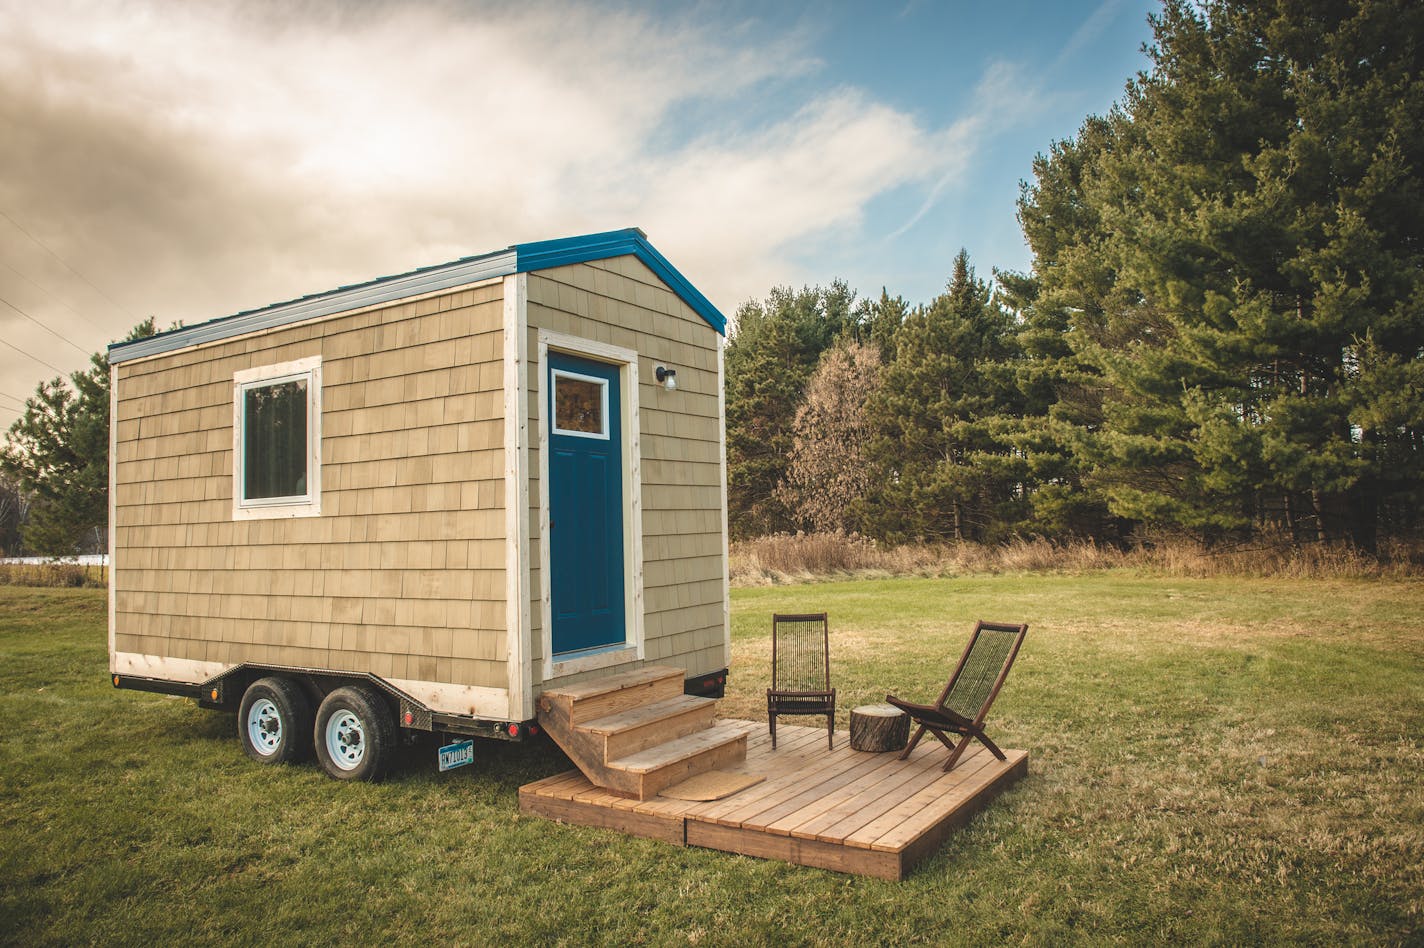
187,161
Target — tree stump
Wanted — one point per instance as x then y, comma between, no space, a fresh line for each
876,728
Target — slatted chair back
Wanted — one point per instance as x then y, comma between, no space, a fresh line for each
800,653
982,669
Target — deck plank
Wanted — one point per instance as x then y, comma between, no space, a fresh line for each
930,797
791,782
834,785
935,804
911,829
785,824
564,785
781,770
852,812
669,830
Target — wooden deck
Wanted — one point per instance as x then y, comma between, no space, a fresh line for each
868,814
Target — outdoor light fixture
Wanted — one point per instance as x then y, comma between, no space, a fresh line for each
667,376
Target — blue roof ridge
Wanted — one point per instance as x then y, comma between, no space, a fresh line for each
519,258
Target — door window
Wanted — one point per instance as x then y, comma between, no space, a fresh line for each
580,405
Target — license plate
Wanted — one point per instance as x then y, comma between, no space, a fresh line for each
457,755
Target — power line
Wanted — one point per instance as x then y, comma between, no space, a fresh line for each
41,244
41,325
32,356
51,294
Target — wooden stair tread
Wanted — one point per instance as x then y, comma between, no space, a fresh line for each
631,679
644,714
664,755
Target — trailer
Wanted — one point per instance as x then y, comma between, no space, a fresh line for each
418,504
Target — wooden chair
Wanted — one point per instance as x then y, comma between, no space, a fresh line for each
965,701
801,671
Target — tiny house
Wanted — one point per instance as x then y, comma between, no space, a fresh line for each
422,501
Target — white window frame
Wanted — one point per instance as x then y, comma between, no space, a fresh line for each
309,504
605,431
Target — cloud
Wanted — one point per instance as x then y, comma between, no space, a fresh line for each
198,159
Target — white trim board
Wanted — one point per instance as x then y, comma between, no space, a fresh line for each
113,508
518,620
726,535
441,697
631,420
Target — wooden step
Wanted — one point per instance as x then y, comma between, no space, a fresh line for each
646,772
636,732
589,701
636,729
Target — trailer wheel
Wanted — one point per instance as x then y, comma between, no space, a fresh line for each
355,734
274,721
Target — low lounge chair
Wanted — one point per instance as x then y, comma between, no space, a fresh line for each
965,701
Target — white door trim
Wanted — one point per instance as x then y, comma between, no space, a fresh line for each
632,649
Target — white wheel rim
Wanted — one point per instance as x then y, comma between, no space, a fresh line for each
345,740
264,726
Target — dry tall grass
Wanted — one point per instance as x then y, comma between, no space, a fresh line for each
792,558
73,575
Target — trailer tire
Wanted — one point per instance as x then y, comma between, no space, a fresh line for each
355,734
274,721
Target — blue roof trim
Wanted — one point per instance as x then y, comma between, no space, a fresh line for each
545,254
520,258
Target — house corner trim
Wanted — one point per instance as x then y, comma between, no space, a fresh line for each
516,495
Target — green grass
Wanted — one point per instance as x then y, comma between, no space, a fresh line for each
1218,761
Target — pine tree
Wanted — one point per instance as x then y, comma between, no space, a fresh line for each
1237,252
1056,405
57,453
772,352
878,322
938,470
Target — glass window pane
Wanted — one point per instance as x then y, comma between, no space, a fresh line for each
578,405
274,440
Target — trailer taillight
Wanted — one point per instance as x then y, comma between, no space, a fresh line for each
514,730
409,718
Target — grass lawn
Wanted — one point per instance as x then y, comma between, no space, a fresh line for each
1210,761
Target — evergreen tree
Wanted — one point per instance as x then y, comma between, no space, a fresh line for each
878,322
1236,253
939,466
772,351
1046,434
57,453
14,511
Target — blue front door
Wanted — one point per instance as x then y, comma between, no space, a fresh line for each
586,582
